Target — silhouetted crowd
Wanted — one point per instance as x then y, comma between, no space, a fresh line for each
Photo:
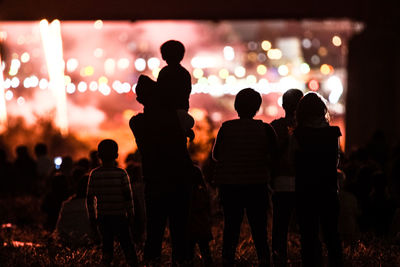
292,168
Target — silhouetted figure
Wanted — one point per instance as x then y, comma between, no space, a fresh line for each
284,198
200,218
316,181
134,170
94,159
244,151
111,188
73,225
174,82
167,169
7,185
25,170
52,202
44,166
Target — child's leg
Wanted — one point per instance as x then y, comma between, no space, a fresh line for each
106,230
126,243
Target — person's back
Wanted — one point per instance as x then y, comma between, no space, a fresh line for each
174,82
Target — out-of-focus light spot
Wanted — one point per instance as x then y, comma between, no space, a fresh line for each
322,51
15,65
252,45
203,81
3,36
266,45
82,86
123,63
153,63
306,43
21,40
274,54
7,83
280,101
197,114
34,81
283,70
315,42
134,87
9,95
271,110
57,162
251,79
304,68
104,89
261,69
71,88
126,87
98,52
43,84
223,73
252,56
109,66
98,24
213,80
128,114
103,80
72,64
325,69
140,64
313,85
229,53
198,73
88,71
20,100
3,66
14,56
230,80
25,57
336,40
14,82
67,79
216,116
261,57
334,84
93,86
315,60
156,72
203,62
240,71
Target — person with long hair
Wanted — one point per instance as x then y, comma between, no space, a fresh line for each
316,161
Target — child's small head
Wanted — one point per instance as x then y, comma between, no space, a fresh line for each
247,103
108,150
311,109
290,99
172,51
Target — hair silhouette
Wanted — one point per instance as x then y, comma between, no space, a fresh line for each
247,103
172,51
311,110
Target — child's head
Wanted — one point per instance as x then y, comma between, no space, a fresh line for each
311,110
172,51
247,103
108,150
290,99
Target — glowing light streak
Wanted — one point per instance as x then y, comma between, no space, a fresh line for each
3,107
52,45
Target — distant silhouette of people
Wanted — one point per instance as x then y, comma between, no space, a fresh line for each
167,169
283,183
25,170
316,163
94,159
111,188
73,225
244,150
44,166
200,218
7,183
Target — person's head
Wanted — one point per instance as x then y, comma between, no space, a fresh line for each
311,110
290,99
22,151
172,51
146,92
247,103
40,149
108,150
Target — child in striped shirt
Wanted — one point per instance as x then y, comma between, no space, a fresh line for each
110,204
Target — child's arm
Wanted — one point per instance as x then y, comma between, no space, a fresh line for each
90,205
127,192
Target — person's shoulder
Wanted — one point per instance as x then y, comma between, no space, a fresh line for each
278,122
136,119
335,130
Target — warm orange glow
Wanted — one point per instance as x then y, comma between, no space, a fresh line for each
3,108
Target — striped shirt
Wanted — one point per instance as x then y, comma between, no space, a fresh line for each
109,193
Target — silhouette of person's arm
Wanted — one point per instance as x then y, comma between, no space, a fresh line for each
216,153
273,149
